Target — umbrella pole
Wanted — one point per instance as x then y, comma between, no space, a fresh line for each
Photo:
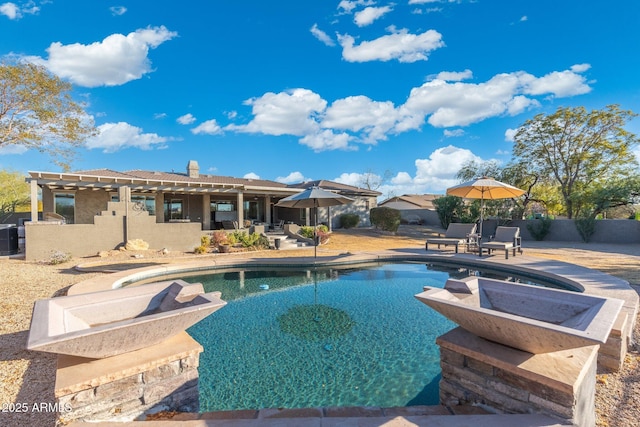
481,212
315,232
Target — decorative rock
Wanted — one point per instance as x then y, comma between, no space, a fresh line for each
136,245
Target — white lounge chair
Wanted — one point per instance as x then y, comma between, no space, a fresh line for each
456,234
506,238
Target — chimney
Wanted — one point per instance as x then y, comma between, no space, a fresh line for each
193,169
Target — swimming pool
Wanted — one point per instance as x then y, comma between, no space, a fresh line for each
293,338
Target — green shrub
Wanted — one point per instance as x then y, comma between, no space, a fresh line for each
200,249
386,219
205,241
449,209
586,227
539,228
349,220
245,239
323,232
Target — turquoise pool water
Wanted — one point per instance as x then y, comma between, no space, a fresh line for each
321,338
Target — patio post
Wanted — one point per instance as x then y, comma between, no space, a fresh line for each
240,208
34,200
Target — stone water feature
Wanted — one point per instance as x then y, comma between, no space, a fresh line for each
124,352
520,348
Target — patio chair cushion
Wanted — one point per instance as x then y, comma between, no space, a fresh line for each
505,238
456,234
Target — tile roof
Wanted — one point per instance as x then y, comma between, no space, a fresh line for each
424,201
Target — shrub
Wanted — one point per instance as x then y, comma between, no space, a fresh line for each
586,227
218,238
539,228
323,232
205,241
449,208
349,220
59,257
386,219
200,250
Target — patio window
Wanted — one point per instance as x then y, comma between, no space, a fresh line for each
65,205
172,209
252,210
149,203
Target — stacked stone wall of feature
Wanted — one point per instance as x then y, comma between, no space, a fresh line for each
125,387
501,379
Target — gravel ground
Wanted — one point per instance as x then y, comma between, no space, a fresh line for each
27,378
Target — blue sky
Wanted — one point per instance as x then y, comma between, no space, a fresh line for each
297,90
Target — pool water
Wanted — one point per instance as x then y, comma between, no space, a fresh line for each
304,338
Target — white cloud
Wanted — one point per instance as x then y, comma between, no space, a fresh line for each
284,113
187,119
524,18
356,179
116,60
400,45
460,104
113,137
560,83
292,178
455,76
369,14
159,116
348,6
360,120
322,36
453,133
327,140
118,10
580,68
210,127
14,11
251,175
361,114
510,134
10,10
432,175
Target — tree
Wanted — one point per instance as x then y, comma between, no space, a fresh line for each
14,191
37,111
577,149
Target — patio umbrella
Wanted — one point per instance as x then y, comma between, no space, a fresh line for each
484,189
314,197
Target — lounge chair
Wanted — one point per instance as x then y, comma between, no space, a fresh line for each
506,238
456,234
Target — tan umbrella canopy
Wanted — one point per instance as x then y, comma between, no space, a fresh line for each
484,189
314,197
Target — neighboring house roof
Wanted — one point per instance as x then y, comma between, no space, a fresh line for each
421,201
337,186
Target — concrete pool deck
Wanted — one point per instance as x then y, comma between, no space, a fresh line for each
590,281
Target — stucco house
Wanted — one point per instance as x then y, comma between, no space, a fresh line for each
88,211
414,208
